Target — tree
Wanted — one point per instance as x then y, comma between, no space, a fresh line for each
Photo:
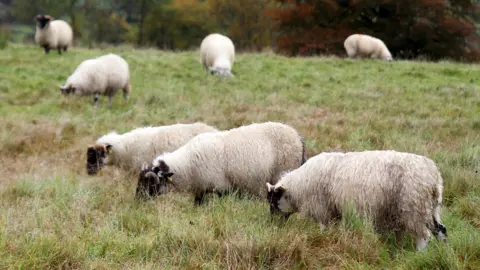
244,21
143,12
410,28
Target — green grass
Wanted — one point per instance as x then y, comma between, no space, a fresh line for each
53,215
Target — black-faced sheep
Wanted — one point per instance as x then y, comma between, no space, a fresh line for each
53,34
397,191
132,149
240,159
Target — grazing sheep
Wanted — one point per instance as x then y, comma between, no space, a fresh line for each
398,191
358,45
103,75
131,149
217,54
240,159
53,34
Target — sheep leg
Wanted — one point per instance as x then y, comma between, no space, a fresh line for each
95,100
439,230
399,238
200,198
126,92
110,98
65,48
46,48
59,50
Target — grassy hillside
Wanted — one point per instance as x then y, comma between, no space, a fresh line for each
52,214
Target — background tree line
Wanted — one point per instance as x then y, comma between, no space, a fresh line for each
411,28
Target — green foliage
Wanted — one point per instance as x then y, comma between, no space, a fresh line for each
53,215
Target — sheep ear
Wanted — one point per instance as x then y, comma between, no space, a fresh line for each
163,166
144,166
270,187
168,176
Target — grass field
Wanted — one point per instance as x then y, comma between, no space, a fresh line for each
53,215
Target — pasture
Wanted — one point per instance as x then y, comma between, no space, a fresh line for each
53,215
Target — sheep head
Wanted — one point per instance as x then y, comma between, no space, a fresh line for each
279,202
67,89
152,182
43,20
221,72
96,157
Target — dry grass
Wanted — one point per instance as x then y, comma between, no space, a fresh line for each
53,215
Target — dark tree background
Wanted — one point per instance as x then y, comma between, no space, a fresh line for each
411,28
435,29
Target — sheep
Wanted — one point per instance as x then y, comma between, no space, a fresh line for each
399,191
239,159
53,34
358,45
217,54
102,75
132,149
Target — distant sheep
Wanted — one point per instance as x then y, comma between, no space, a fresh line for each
53,34
217,54
365,46
103,75
131,149
398,191
240,159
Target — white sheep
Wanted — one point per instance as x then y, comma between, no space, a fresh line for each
217,54
103,75
239,159
397,191
131,149
53,34
358,45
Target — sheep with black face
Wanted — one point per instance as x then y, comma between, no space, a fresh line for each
400,192
53,34
240,159
132,149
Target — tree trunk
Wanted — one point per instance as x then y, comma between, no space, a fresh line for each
76,32
143,10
